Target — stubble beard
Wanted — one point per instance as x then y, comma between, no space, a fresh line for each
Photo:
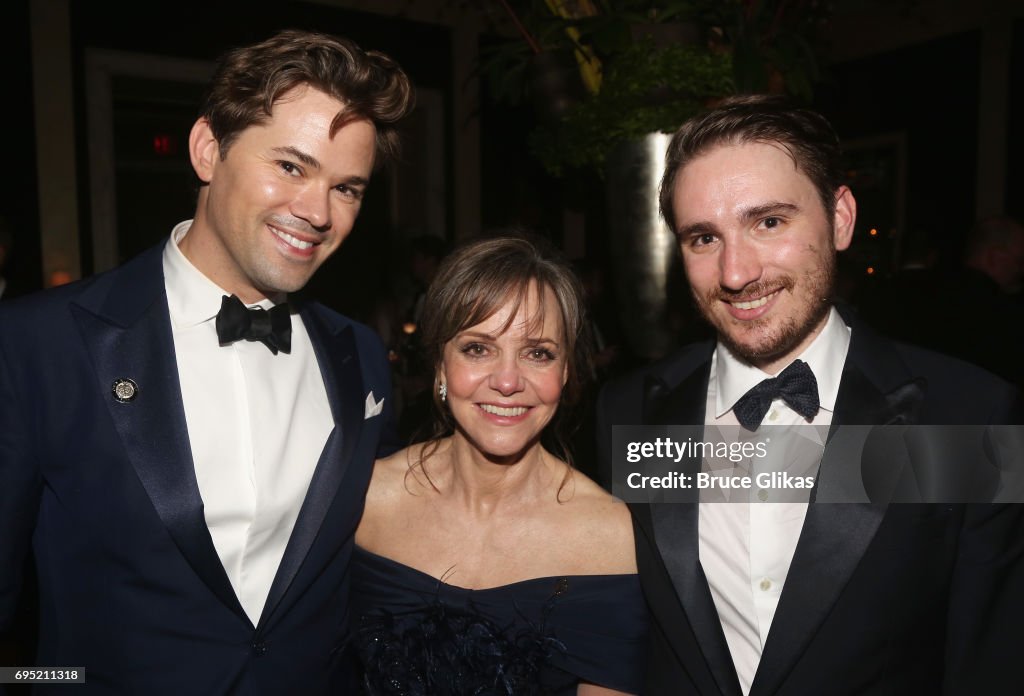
760,341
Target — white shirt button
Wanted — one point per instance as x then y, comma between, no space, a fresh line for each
765,584
773,415
762,495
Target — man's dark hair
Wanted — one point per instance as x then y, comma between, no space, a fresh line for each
806,136
248,82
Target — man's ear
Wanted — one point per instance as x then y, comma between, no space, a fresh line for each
844,219
203,150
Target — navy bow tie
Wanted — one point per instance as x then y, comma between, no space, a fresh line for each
236,322
795,385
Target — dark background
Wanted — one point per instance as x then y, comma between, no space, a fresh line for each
923,94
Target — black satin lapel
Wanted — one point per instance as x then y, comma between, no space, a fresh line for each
339,365
655,391
832,543
861,402
676,533
683,405
154,432
835,535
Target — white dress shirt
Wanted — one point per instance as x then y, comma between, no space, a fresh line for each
746,547
257,423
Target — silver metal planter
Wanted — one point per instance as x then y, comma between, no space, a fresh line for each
642,247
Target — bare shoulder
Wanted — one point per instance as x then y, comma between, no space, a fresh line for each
389,489
387,473
602,526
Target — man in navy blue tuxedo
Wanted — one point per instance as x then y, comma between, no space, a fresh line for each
186,451
761,596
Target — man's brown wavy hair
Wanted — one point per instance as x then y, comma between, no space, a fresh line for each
248,82
805,135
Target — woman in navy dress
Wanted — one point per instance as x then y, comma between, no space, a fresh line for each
484,563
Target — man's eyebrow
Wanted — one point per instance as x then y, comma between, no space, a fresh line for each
747,215
695,230
306,159
767,209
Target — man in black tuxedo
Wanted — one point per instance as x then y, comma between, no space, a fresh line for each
185,450
797,598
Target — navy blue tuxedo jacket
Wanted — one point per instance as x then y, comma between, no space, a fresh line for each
898,599
130,584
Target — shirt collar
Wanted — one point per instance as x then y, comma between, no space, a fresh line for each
825,356
192,298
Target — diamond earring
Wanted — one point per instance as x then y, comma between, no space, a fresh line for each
442,391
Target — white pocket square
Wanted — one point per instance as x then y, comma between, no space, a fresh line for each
373,408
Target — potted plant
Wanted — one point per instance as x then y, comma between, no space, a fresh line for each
608,78
601,72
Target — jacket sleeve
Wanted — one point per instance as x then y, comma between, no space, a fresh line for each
985,626
20,482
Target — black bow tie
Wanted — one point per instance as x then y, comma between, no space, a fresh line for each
796,386
273,329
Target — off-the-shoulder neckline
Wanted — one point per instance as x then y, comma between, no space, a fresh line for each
549,579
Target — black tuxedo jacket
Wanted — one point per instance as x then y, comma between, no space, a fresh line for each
130,585
897,599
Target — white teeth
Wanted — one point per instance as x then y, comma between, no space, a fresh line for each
755,304
292,241
507,412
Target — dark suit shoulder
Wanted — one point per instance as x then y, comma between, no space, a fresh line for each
670,370
337,320
623,400
959,391
926,360
125,291
366,338
37,304
42,318
953,391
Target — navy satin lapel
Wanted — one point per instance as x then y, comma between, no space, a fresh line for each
153,430
339,364
676,534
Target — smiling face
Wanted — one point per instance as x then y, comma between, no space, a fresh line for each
759,249
283,197
504,384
